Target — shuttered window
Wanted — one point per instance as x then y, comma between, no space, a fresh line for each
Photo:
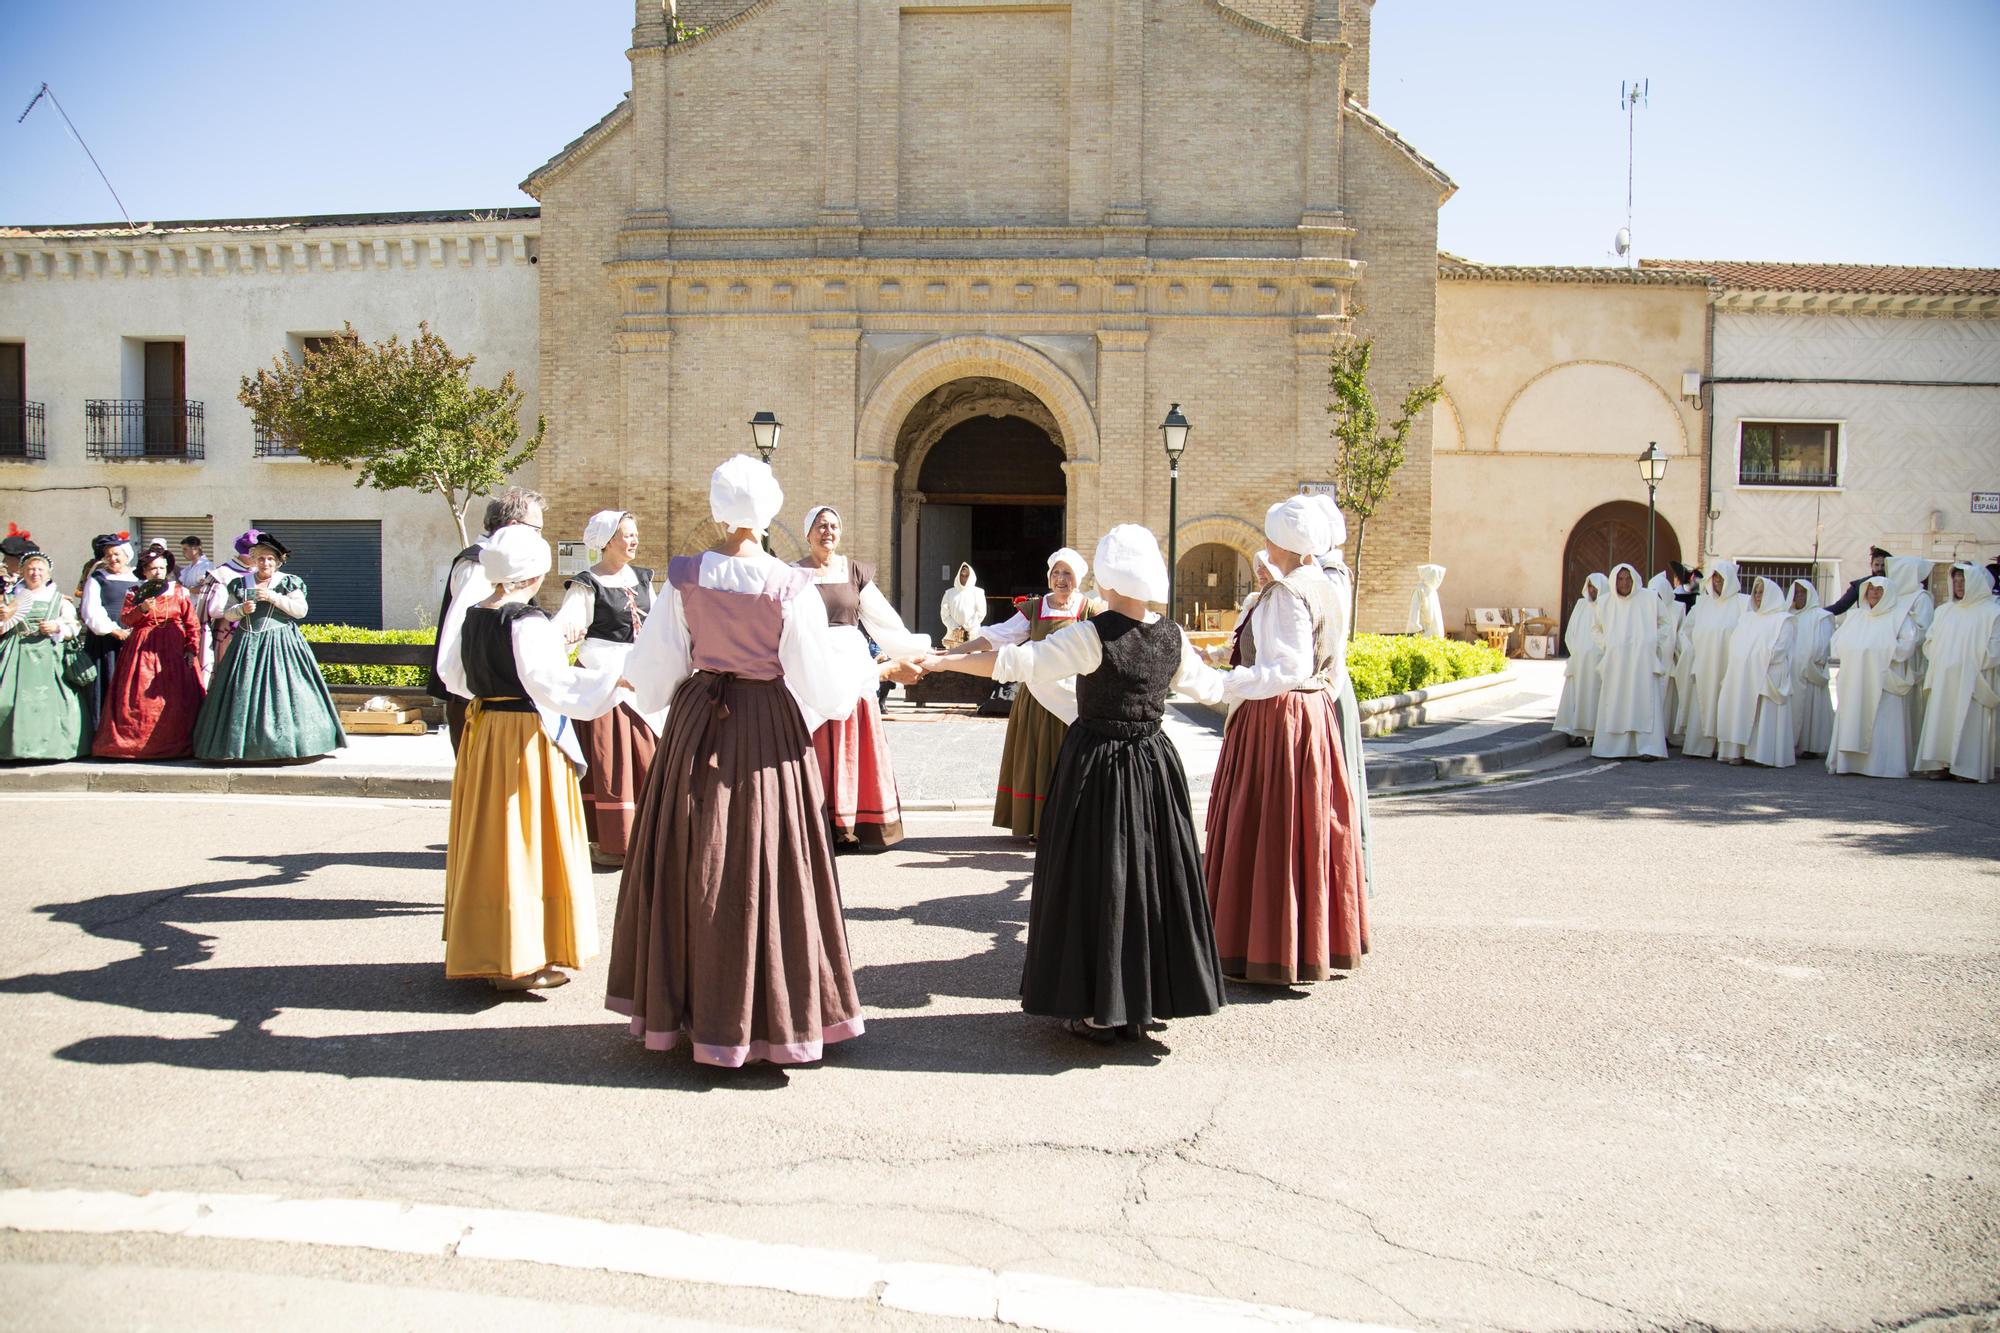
341,562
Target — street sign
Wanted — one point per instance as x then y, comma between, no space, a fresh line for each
1986,502
1318,488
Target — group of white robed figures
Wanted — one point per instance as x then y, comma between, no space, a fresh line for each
1900,683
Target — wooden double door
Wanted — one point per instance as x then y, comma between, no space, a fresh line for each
1608,536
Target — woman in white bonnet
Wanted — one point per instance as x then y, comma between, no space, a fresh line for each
729,933
1876,646
1333,564
1118,930
1753,713
853,753
519,905
603,609
1283,862
1634,643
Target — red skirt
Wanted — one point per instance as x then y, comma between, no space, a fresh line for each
860,784
618,748
1283,861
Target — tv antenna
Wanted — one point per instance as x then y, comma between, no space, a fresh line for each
50,93
1631,96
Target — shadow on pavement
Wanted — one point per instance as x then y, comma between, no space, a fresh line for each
1908,817
1001,915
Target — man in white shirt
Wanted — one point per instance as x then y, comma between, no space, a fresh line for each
194,563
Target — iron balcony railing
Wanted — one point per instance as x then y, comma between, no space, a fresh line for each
271,445
1764,477
120,430
23,436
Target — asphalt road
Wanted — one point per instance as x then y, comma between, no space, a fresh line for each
1639,1046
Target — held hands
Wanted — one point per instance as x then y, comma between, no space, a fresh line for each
903,672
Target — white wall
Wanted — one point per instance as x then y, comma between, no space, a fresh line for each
238,298
1908,453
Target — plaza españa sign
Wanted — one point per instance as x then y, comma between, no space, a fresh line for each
1319,488
1986,502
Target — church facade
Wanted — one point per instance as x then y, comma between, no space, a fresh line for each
970,254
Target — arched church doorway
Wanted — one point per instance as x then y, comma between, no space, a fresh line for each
1608,536
1212,577
982,482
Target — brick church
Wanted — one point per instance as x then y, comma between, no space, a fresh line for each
969,254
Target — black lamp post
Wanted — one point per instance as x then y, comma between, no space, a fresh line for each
1653,470
1173,434
764,431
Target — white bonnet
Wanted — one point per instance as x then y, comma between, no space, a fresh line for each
744,493
1129,563
514,554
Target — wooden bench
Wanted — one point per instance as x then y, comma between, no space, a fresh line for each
412,697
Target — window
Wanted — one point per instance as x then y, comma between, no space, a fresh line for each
21,434
170,532
1780,572
1788,453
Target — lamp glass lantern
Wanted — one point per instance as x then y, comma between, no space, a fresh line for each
1652,470
764,431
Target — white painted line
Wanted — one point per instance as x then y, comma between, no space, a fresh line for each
1023,1300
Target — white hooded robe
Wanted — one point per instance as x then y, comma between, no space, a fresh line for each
1961,728
1753,716
1637,645
1812,645
1876,647
1576,714
1705,643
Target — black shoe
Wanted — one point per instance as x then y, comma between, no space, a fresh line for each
1084,1030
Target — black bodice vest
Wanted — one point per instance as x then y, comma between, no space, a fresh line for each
612,610
487,647
1140,662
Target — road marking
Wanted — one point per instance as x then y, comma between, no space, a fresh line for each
1023,1300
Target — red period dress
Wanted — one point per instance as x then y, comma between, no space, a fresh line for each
155,695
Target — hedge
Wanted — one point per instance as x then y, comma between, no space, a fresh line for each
414,676
1396,664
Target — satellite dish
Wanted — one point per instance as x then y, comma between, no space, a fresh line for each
1623,241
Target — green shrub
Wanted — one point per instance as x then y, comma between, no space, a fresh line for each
1381,664
412,676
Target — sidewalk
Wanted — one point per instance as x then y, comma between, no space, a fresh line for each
945,757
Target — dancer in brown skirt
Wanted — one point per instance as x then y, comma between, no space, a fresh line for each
1042,712
1284,863
861,798
729,931
601,613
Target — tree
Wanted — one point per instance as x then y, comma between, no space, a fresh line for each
403,416
1368,459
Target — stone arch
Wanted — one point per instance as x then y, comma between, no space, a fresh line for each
1633,385
968,356
1228,530
1450,428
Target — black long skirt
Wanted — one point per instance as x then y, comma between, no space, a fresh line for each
1118,931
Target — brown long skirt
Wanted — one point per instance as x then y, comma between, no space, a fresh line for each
859,780
618,748
1283,862
1027,765
729,929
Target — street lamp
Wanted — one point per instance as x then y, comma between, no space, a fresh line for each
1173,435
764,431
1652,470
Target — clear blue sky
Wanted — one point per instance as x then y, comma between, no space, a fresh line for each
1778,129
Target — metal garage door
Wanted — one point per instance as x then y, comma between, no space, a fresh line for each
169,532
341,563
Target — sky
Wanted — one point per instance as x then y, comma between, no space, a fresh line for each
1775,129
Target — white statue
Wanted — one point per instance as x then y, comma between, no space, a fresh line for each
964,608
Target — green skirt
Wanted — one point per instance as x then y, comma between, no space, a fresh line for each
41,717
268,700
1027,765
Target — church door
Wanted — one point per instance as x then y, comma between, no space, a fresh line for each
1608,536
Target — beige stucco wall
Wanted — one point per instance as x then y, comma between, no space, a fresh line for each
1555,388
793,215
239,298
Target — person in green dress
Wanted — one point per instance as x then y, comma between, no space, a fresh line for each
41,714
267,699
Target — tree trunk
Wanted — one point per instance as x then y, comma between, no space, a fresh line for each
457,513
1354,593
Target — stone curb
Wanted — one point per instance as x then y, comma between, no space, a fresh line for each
412,784
1393,712
1386,774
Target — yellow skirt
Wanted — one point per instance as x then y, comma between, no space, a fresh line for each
518,895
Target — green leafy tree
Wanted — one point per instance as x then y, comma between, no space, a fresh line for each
402,416
1368,458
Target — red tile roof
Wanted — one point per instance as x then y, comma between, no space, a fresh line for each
1885,279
